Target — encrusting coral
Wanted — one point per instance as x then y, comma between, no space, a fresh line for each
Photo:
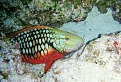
20,14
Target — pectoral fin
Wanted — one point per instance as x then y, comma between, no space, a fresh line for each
50,59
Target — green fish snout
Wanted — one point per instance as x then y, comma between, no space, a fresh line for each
73,44
67,42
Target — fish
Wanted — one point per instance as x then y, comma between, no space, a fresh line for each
44,45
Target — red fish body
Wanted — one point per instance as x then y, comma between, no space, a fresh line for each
43,45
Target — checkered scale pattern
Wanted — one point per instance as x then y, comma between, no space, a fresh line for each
35,41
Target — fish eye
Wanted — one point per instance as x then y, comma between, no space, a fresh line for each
67,37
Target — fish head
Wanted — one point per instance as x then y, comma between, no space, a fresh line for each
66,42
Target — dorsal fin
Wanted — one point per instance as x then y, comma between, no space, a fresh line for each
12,34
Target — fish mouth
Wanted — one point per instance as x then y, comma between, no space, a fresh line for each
81,45
69,51
78,47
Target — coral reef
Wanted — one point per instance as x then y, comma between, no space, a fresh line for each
116,9
40,12
17,14
114,5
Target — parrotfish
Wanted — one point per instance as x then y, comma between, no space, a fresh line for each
44,45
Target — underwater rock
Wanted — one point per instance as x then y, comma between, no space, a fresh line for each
53,13
20,14
116,13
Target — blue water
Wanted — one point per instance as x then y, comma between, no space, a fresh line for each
95,24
